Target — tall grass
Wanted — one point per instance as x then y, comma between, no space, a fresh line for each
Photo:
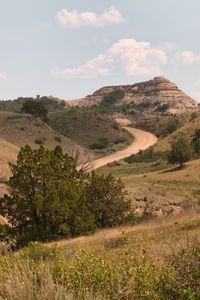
48,273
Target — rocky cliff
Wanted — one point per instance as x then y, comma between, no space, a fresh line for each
158,94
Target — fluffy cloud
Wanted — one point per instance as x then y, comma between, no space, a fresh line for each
127,56
188,57
92,68
3,76
76,19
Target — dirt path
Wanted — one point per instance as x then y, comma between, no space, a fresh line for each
142,141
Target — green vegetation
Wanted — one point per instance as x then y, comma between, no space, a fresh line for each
50,103
106,197
180,151
161,126
196,141
35,108
138,264
123,170
102,143
40,141
49,199
149,155
89,129
113,97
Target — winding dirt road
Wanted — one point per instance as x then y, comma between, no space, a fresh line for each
142,141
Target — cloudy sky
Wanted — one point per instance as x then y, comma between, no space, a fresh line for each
70,48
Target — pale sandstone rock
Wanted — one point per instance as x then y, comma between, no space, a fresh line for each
158,91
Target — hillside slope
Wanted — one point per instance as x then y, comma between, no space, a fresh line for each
156,95
8,153
188,129
20,129
90,129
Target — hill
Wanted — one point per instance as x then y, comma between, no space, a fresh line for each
158,95
8,153
90,129
188,129
19,129
51,103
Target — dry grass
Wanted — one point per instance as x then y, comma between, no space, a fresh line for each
165,191
18,130
161,236
188,129
8,153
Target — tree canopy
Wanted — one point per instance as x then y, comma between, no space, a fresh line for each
180,151
35,108
50,199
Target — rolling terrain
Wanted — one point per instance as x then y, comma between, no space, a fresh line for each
17,130
90,129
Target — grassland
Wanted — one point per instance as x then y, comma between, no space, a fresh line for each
18,130
162,188
159,259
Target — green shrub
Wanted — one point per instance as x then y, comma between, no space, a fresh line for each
101,144
40,141
149,155
39,252
57,139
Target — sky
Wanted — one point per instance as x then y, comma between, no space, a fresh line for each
68,49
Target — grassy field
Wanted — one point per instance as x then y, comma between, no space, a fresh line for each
88,128
164,189
156,260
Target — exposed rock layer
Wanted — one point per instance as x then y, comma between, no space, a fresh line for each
158,91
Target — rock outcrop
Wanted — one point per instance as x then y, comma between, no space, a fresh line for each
158,94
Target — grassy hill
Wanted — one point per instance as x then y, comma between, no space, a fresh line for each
18,130
90,129
187,129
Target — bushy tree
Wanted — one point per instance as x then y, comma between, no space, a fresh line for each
196,141
47,198
50,199
180,151
35,108
107,202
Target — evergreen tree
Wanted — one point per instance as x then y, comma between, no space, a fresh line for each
107,202
47,198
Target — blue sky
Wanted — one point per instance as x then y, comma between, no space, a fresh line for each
70,48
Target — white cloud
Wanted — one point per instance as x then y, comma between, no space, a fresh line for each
188,57
75,19
92,68
127,56
3,76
